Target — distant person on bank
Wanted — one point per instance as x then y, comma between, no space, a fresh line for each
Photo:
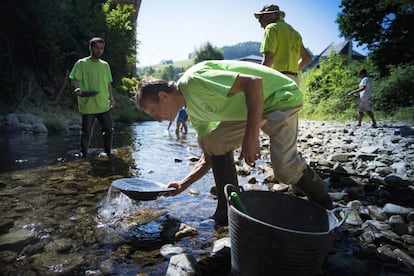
282,46
181,123
228,102
364,92
89,75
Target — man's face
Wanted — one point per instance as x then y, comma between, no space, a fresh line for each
97,50
266,19
165,109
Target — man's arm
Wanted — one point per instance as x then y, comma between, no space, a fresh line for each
111,97
252,87
268,59
77,90
199,170
357,91
305,58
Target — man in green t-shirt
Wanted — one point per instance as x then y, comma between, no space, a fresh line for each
228,102
282,46
91,76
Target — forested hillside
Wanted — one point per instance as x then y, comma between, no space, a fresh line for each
41,40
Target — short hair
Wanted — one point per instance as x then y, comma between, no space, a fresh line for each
95,40
149,87
363,71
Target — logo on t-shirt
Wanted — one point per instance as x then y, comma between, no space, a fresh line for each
209,107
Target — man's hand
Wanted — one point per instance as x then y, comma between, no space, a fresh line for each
77,91
250,151
178,188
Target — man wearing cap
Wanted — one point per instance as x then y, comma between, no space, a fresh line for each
282,47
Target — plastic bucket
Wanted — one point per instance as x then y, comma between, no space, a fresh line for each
281,235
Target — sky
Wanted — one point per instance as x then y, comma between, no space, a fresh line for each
171,30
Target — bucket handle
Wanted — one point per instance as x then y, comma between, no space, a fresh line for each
232,195
228,189
339,212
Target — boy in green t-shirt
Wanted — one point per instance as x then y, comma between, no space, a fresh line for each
228,102
91,76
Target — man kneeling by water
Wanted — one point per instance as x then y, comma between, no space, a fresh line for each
228,102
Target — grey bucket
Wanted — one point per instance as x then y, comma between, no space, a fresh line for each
281,235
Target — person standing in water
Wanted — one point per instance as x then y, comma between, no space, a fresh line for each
94,74
181,123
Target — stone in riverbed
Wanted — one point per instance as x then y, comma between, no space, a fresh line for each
16,238
397,180
182,264
395,209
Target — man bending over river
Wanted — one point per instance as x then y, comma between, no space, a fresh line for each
228,102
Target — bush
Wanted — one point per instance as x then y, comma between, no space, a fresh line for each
396,90
325,89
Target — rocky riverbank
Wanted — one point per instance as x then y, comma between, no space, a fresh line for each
23,123
51,221
368,171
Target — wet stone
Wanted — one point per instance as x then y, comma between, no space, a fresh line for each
61,205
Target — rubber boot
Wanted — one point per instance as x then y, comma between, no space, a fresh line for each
312,186
224,172
88,123
107,141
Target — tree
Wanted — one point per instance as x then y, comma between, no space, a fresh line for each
43,39
384,25
207,52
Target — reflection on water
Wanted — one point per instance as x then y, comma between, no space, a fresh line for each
59,213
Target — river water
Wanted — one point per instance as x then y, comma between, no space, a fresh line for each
60,215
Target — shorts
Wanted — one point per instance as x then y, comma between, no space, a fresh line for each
364,105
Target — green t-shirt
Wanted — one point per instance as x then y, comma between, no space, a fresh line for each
284,42
92,76
205,87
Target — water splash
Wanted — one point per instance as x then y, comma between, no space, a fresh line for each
115,207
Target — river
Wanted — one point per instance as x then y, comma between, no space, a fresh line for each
59,215
72,221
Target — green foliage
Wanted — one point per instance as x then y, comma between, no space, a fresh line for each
207,52
120,39
171,73
396,90
44,39
325,90
126,111
53,124
128,86
385,26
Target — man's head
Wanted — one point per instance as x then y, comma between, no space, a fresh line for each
96,47
269,14
154,96
362,73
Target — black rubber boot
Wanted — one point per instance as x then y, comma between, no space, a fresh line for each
312,186
88,122
107,141
224,172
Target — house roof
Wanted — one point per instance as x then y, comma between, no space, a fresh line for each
252,58
337,48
